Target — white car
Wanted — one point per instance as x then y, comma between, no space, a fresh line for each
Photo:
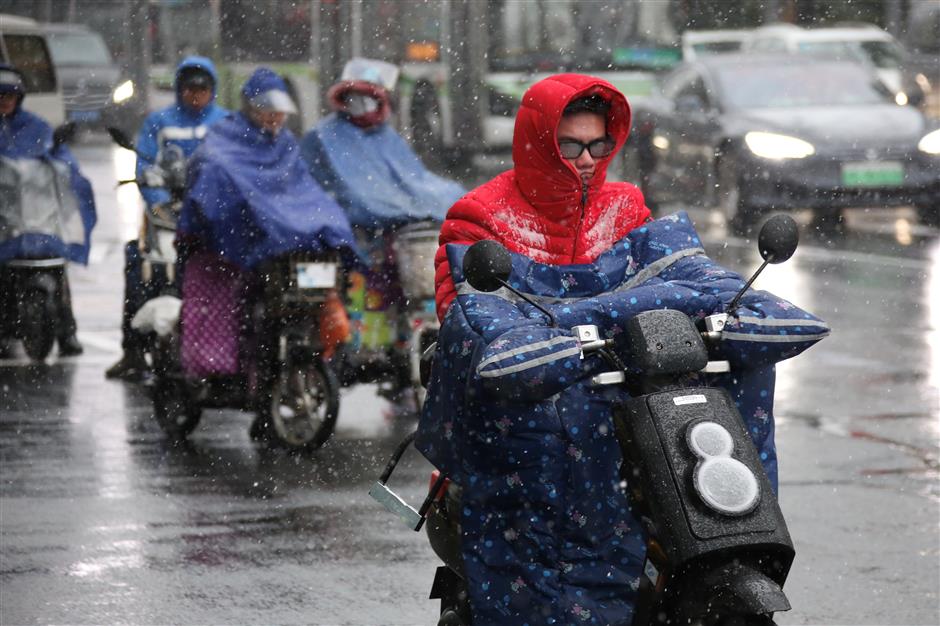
699,43
860,42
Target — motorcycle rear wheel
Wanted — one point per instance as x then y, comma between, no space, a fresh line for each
176,411
38,332
304,405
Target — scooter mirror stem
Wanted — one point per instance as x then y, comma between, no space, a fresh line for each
548,314
776,242
734,303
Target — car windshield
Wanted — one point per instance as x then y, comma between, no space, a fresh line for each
883,54
838,50
79,49
797,85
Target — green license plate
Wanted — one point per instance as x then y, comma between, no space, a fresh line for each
873,174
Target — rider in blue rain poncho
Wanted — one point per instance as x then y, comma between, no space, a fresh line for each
358,157
26,139
549,536
251,199
182,125
251,196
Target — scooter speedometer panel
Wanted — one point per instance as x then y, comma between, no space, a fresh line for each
664,341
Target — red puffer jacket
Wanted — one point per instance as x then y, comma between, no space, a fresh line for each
539,208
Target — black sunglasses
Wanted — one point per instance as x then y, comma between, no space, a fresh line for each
599,148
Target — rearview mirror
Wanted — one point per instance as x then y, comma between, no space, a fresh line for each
120,138
778,239
63,134
487,265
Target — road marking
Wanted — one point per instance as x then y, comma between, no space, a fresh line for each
815,253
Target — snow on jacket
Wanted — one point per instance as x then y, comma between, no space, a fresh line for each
548,534
539,208
177,125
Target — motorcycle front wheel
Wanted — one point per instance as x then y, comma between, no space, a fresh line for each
37,329
176,410
304,405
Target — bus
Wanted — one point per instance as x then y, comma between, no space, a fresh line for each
464,63
504,46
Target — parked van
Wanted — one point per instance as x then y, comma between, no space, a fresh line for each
95,89
23,44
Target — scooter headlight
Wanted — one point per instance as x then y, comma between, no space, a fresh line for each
723,483
123,92
777,147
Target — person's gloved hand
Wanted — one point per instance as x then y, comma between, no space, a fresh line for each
153,177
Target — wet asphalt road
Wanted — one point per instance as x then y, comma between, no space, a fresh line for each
102,522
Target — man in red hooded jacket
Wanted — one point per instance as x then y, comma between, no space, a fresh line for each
555,205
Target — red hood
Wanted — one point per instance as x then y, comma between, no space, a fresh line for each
548,182
336,95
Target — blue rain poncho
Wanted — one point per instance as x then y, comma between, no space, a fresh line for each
177,125
47,208
548,531
252,198
375,176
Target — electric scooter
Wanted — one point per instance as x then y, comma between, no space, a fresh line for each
718,549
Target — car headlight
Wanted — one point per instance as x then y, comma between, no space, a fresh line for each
930,143
123,92
774,146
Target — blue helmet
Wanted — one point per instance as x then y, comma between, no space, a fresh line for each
264,89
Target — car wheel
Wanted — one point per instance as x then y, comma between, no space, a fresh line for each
929,213
740,215
828,221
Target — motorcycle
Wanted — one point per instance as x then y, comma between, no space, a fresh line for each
718,550
35,285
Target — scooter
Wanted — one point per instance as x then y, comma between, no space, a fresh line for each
718,550
289,385
292,388
36,284
158,227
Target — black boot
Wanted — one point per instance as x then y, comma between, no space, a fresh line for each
69,345
132,366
